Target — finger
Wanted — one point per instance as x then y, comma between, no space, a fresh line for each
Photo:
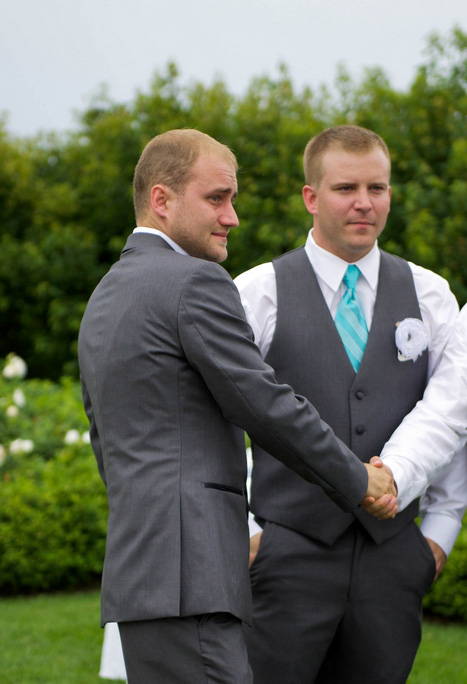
376,461
383,508
368,500
388,512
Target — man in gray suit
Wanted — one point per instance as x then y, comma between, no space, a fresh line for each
337,595
170,374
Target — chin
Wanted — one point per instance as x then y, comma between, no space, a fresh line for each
216,257
359,251
219,257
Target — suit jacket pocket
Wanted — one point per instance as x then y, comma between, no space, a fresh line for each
223,488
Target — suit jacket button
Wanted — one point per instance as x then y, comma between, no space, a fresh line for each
359,394
360,429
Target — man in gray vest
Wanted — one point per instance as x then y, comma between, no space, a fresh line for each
337,596
170,372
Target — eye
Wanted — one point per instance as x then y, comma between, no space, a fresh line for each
215,198
378,188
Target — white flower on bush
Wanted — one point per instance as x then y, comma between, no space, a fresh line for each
72,436
2,454
19,398
12,411
15,367
21,446
86,437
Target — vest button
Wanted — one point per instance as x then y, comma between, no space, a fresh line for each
360,429
359,394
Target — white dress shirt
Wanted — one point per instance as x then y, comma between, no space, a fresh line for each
432,434
438,306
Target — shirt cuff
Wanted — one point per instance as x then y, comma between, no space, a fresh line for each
253,525
443,529
408,488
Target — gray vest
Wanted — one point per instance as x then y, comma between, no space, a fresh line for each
363,409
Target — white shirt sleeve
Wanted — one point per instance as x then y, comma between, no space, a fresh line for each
257,289
438,308
429,435
445,502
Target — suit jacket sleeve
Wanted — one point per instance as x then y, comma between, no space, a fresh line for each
93,433
218,342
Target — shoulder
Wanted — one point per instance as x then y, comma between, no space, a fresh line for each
434,293
438,305
202,271
463,316
432,290
460,327
293,255
257,289
263,273
428,279
209,302
205,281
185,268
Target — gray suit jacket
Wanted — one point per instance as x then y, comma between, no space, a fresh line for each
170,373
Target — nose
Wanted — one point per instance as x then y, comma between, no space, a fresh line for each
362,200
229,217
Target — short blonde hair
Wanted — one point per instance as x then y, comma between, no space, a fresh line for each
169,159
350,138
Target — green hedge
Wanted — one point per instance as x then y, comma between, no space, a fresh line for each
53,508
53,525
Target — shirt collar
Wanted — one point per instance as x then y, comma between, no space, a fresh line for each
331,268
155,231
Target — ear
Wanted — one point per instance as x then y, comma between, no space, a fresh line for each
309,198
160,195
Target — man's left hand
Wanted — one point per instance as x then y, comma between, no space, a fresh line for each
440,556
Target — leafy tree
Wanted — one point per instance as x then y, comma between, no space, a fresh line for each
66,202
426,131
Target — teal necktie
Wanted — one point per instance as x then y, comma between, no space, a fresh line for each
350,321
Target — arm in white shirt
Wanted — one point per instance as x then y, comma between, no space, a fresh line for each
427,446
429,435
257,290
445,502
438,308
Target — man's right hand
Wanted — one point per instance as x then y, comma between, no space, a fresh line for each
255,542
380,479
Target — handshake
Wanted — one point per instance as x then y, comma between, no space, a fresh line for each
381,496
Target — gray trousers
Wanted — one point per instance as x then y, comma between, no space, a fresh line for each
203,649
350,612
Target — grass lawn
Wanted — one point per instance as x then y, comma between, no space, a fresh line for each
56,639
442,656
51,638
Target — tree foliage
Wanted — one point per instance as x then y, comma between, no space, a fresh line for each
66,202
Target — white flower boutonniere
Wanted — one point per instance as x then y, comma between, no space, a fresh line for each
411,339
